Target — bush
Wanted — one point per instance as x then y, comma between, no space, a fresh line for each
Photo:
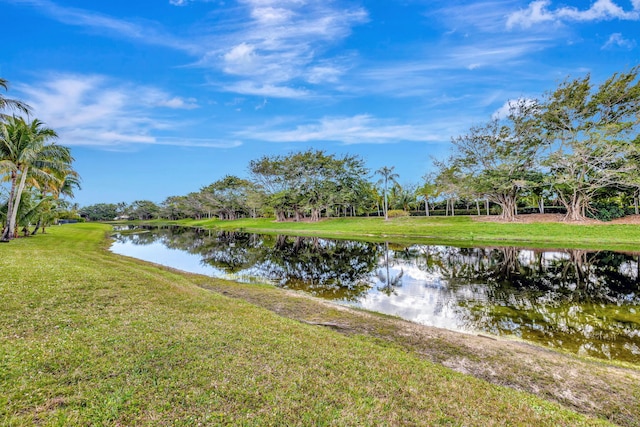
605,212
397,213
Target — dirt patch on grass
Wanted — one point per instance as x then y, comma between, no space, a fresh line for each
591,387
559,218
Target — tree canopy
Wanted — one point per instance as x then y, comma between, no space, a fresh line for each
38,170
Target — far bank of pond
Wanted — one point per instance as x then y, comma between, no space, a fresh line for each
540,231
574,300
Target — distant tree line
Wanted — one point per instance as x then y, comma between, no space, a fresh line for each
38,171
575,151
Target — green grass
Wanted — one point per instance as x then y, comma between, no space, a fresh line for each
449,230
91,338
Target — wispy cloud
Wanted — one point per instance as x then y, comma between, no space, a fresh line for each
359,129
617,40
484,16
449,65
539,12
93,110
146,32
279,48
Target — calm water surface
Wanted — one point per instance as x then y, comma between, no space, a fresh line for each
584,302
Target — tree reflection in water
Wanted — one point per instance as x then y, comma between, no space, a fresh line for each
584,302
389,282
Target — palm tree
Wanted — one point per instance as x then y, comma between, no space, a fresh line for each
387,175
27,153
66,181
11,103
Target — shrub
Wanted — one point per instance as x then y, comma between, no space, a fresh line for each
396,213
605,212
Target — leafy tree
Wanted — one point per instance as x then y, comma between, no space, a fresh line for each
428,190
27,153
144,209
497,159
449,182
309,182
50,192
591,133
229,197
100,212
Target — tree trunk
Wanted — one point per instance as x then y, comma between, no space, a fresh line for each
575,208
16,205
507,203
35,230
541,205
486,203
386,204
635,202
7,234
478,206
426,207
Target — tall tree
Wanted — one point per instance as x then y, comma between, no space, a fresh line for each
309,182
228,197
592,133
50,191
449,183
497,159
427,191
386,176
144,209
27,152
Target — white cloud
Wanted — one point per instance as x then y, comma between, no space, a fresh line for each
323,74
241,59
179,103
268,90
538,12
271,15
96,111
121,28
486,16
617,40
280,44
511,106
359,129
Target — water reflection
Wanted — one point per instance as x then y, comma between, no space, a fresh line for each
584,302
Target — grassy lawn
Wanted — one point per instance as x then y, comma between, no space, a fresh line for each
91,338
452,230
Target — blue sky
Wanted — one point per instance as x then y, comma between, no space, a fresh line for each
160,98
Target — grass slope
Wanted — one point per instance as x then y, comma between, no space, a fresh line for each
88,337
455,230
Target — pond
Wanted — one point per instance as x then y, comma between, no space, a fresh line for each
579,301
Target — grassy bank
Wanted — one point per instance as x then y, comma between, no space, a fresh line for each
452,230
89,337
